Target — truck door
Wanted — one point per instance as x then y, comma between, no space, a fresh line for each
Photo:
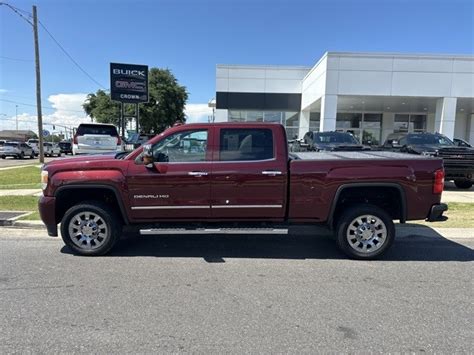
249,174
179,185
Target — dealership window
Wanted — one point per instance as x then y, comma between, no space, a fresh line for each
289,119
366,127
409,123
314,121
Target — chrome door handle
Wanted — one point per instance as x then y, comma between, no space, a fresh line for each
197,173
271,172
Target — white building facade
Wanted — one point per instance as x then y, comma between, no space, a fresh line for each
370,95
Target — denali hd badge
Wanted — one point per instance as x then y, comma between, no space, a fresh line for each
151,196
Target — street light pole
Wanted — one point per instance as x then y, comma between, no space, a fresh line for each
16,117
38,86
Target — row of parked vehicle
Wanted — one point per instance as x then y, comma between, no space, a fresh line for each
29,149
458,155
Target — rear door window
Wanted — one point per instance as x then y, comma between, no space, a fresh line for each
97,129
245,144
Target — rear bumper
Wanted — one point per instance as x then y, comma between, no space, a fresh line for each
47,211
436,212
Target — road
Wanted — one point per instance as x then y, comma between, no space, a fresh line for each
228,294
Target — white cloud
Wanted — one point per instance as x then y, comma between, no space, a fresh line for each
197,113
3,91
68,112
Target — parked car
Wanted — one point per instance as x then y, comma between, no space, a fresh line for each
2,142
17,150
237,178
66,147
461,143
96,138
51,149
458,161
331,141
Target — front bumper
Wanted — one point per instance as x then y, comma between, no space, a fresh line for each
436,212
47,211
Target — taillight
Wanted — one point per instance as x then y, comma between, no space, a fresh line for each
119,141
438,184
74,140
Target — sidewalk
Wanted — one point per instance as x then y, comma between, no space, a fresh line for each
21,192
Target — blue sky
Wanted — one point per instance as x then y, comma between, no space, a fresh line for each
191,37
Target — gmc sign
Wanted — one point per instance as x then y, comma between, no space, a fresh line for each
129,82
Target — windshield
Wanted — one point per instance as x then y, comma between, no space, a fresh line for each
11,144
97,129
327,138
428,139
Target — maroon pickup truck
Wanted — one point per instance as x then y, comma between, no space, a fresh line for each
237,178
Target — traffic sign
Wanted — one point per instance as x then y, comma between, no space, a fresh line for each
45,133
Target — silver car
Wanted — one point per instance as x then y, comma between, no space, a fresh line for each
16,150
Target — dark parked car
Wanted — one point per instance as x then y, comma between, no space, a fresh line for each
331,141
66,147
137,139
458,160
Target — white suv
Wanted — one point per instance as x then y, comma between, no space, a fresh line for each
17,150
96,138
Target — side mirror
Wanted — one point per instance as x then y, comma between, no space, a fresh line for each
148,156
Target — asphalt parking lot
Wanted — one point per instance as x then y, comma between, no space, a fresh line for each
234,294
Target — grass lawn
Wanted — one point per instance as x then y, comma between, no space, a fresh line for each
460,215
27,177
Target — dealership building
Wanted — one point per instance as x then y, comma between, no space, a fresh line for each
368,94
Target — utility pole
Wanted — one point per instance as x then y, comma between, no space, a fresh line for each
16,117
38,86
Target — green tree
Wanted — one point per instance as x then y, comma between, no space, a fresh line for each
166,103
101,108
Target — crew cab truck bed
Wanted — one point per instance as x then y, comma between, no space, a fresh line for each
210,177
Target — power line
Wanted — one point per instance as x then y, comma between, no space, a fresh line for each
70,57
16,59
45,107
17,11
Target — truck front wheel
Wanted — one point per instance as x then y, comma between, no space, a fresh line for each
90,228
365,232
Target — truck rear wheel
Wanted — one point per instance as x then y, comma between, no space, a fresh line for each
365,232
463,184
90,228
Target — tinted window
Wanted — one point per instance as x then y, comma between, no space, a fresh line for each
421,139
245,144
97,129
11,144
186,146
335,138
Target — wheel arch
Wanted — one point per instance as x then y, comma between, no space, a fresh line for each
72,190
367,186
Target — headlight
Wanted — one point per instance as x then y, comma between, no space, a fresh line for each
44,179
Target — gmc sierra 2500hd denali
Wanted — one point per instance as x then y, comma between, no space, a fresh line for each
237,178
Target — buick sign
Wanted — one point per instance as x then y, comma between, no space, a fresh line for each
129,82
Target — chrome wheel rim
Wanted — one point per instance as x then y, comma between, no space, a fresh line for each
88,230
366,234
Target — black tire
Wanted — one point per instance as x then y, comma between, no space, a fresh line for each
463,184
4,156
32,156
21,156
347,226
113,229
